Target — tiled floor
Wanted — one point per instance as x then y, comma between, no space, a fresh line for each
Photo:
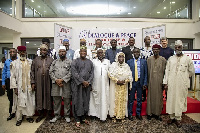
9,126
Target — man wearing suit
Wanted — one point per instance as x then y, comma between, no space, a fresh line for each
128,49
111,53
139,72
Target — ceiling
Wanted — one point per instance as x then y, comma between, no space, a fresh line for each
107,8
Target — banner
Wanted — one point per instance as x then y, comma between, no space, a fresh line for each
155,33
122,36
195,56
61,32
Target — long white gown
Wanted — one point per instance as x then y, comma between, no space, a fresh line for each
99,96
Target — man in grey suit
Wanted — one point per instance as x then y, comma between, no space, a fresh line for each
111,53
60,73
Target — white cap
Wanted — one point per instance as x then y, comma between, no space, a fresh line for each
178,42
62,47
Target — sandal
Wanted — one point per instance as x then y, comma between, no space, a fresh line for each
78,124
30,120
18,123
86,122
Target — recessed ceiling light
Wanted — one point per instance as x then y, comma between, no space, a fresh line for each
129,13
26,12
169,14
164,7
38,6
173,2
32,0
10,14
95,9
10,8
158,12
45,11
134,7
35,44
25,8
27,42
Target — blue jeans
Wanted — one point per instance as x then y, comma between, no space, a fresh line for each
135,87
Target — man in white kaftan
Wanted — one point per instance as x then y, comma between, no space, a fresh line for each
176,80
99,96
24,97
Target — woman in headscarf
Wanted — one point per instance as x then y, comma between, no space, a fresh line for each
120,74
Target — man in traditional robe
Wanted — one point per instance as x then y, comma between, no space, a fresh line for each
41,82
178,70
60,72
89,53
82,77
70,52
6,80
111,53
99,96
146,52
156,68
24,97
139,72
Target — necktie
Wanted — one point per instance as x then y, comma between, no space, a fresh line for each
136,71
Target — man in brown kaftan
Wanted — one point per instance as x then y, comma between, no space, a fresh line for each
40,80
156,68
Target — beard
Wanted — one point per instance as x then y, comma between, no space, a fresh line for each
178,52
22,58
62,56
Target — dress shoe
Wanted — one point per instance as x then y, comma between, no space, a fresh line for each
10,117
148,117
143,99
39,118
139,117
130,117
157,117
178,123
170,121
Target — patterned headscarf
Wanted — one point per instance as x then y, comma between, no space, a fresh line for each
117,56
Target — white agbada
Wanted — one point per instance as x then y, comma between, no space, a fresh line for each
25,101
77,55
99,96
177,73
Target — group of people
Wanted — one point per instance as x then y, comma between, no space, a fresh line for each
99,82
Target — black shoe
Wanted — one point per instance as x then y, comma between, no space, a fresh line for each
39,118
30,120
130,117
10,117
157,117
143,99
18,123
148,117
139,117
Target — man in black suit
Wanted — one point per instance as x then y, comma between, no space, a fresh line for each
128,49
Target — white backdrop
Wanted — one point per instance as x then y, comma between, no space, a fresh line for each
90,35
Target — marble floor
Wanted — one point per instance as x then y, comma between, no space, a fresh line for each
10,127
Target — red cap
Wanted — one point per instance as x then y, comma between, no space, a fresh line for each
21,48
156,46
